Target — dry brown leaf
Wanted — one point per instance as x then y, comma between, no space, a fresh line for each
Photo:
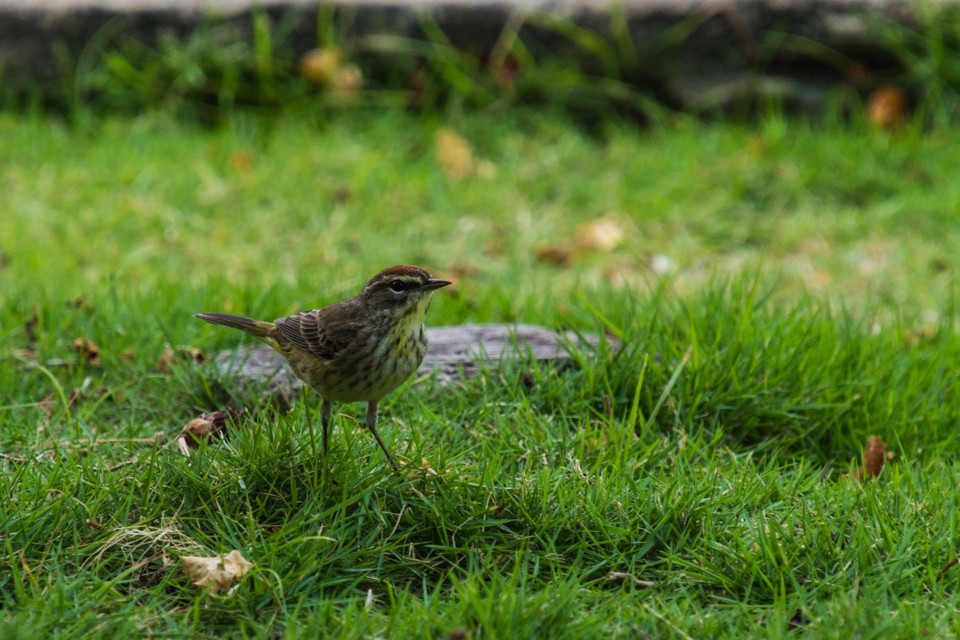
913,337
241,160
347,81
873,459
857,71
46,406
426,468
78,303
342,194
757,146
167,359
88,351
887,106
30,329
600,234
457,159
29,356
216,573
453,153
485,169
171,356
874,456
206,426
506,74
817,279
558,255
321,65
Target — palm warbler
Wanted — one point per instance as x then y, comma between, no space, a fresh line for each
358,349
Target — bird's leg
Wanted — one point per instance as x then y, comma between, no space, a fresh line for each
371,421
325,411
326,414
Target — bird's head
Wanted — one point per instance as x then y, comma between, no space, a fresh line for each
403,290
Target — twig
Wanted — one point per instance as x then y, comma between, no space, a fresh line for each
947,567
121,465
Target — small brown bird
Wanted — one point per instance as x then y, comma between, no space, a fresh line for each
358,349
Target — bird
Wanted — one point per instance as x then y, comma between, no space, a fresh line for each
355,350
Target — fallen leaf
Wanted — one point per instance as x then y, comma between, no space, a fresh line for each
453,153
887,106
206,426
347,81
417,82
216,573
321,65
497,241
485,169
171,356
428,471
167,359
28,356
506,73
600,234
30,329
857,71
873,458
78,303
757,146
88,350
818,278
915,336
555,254
241,160
46,406
799,620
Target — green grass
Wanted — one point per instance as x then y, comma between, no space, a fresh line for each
812,284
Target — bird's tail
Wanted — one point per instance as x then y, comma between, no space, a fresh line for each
256,328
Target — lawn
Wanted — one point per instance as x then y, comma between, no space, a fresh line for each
780,291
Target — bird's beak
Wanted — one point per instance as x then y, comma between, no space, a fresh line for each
434,283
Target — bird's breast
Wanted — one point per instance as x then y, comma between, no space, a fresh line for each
364,374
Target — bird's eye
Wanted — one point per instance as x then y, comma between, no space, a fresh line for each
397,285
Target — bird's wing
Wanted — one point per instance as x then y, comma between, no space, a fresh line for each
320,332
